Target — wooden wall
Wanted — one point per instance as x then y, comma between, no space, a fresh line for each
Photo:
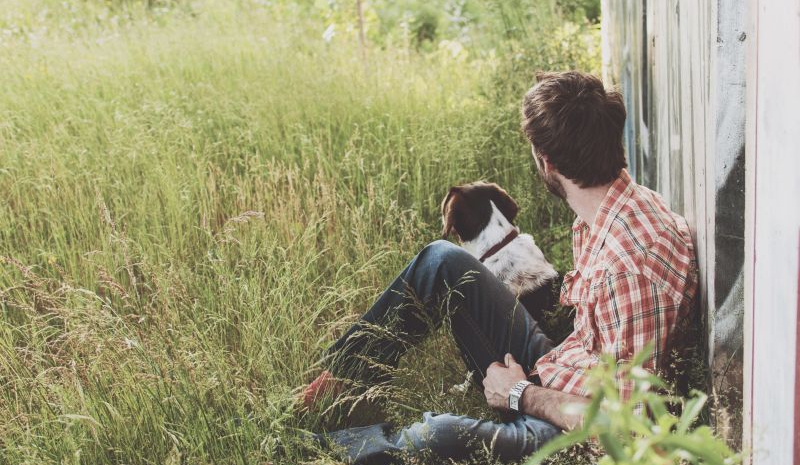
680,65
772,289
713,94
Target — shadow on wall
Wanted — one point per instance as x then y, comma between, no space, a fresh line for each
726,366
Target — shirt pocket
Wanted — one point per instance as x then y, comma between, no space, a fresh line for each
595,287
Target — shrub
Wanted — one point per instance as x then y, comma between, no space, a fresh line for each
641,430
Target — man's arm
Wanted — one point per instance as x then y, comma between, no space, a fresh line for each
548,404
539,402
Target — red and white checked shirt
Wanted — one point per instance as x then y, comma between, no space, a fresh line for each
635,276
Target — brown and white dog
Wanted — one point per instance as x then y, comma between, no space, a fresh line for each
481,214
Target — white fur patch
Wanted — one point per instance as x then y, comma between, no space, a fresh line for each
520,264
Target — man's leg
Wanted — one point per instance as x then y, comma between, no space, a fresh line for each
442,282
445,435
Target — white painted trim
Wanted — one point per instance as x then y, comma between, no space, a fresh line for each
749,226
774,147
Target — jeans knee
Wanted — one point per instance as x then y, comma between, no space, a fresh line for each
458,437
441,253
439,433
439,247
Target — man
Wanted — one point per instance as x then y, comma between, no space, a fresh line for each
634,279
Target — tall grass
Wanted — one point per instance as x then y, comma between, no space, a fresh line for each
198,198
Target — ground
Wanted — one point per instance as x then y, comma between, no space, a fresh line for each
200,196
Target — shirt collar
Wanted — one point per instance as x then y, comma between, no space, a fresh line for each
617,195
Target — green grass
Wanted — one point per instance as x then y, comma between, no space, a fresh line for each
198,198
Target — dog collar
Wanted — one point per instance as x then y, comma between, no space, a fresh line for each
496,248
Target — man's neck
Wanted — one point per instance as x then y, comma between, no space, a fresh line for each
585,201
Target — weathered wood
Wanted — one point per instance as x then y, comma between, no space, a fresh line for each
773,233
685,140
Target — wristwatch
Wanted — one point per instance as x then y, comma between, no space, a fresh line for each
516,393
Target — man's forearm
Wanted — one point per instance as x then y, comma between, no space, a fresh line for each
547,404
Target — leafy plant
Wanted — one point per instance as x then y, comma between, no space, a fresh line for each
641,429
587,10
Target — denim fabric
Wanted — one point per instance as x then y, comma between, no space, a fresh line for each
445,435
442,283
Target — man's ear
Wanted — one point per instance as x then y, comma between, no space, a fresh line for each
448,213
507,206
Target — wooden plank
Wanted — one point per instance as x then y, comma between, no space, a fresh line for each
774,142
725,202
749,227
677,151
796,452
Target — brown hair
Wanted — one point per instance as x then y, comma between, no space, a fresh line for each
572,120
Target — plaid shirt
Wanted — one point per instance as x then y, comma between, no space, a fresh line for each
634,278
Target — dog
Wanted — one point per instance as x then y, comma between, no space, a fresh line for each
482,216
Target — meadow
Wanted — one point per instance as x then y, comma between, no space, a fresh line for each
196,198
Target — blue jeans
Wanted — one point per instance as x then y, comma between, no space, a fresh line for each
443,283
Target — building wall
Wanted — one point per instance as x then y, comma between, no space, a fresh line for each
680,65
772,285
713,91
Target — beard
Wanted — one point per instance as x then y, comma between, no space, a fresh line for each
552,184
554,187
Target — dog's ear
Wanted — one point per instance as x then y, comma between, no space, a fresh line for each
507,206
448,212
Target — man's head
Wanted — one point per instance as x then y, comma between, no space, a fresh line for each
575,128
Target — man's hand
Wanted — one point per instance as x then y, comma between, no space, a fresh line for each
500,379
543,403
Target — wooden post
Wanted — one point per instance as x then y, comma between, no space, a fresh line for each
772,291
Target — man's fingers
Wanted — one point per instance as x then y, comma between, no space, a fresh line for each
510,360
495,365
489,373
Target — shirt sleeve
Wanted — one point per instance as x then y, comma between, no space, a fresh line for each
632,311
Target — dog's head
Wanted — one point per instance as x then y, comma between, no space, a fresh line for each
466,209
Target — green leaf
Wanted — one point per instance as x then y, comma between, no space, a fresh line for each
591,411
692,409
657,406
642,355
557,444
613,447
698,447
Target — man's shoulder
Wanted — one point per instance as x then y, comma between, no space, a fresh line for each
648,239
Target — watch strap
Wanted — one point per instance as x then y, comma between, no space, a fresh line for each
516,393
